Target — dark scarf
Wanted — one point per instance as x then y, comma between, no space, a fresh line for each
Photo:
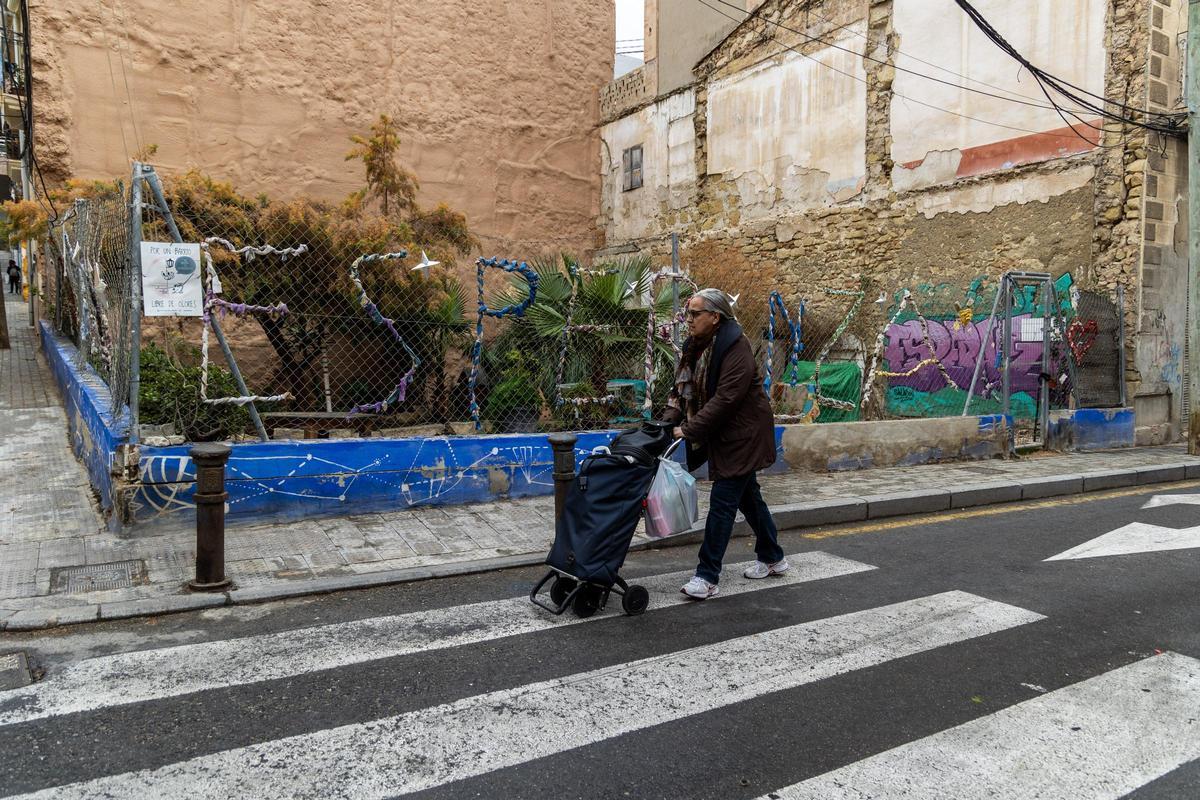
728,334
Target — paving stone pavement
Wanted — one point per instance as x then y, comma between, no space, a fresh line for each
47,511
49,522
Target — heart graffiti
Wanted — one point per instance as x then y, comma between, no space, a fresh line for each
1081,336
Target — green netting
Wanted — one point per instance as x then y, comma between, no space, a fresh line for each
840,380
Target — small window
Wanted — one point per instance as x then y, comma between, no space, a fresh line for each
631,168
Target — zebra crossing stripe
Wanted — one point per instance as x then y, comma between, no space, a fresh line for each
1098,739
476,735
173,671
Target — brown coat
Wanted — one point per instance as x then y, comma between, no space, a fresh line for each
735,424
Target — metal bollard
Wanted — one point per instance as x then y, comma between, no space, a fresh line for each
563,445
210,459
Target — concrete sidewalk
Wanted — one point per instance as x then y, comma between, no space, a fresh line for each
144,573
60,565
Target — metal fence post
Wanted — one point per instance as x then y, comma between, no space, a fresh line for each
674,294
160,200
210,459
1121,342
135,311
1044,384
563,445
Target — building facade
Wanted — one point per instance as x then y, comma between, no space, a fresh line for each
496,102
834,143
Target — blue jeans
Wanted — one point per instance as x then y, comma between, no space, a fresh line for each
728,496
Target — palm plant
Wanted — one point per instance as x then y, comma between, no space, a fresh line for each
608,322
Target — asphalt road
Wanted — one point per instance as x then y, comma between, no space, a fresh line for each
920,657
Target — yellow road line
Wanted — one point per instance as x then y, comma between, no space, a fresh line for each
988,511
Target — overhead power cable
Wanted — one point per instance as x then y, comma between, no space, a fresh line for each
909,98
1087,101
1167,127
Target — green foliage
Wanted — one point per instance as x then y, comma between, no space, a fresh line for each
316,287
609,295
170,393
386,179
516,393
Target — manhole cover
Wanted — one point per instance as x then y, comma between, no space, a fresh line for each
97,577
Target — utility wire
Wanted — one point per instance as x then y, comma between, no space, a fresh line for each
1170,123
1053,106
786,46
872,40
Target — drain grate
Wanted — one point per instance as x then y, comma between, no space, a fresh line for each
97,577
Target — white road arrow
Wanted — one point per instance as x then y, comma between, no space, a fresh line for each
1136,537
1172,500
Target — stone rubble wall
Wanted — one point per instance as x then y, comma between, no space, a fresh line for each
1082,213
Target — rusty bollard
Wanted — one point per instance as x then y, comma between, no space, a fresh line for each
210,459
563,445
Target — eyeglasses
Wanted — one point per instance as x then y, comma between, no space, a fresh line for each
691,315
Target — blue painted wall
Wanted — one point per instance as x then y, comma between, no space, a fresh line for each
1103,428
292,479
95,434
350,476
1091,429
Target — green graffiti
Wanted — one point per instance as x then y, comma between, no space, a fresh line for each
980,295
905,401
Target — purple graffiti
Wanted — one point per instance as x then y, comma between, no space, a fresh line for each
958,350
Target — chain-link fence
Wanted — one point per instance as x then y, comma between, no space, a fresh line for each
89,285
938,351
324,318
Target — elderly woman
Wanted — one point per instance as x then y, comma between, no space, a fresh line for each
724,415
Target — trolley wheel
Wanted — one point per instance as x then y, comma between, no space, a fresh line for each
587,601
636,600
560,589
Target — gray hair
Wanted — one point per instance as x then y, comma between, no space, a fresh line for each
716,300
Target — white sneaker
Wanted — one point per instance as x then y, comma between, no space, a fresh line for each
761,570
699,589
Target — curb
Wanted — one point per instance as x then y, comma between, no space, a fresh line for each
787,517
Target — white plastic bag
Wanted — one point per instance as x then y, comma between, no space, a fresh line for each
672,506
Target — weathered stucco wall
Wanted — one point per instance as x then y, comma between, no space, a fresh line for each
790,132
955,132
497,102
666,133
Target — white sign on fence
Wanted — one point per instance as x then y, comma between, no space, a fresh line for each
171,280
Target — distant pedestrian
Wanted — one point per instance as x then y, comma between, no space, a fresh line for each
723,413
14,277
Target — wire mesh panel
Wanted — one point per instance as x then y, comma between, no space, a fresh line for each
90,285
340,326
1093,336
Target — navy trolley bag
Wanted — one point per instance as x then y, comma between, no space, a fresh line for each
604,504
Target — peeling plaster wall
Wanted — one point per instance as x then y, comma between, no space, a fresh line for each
667,135
1065,37
790,132
266,95
970,201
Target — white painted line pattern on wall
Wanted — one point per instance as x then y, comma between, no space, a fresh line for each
1095,740
172,671
476,735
